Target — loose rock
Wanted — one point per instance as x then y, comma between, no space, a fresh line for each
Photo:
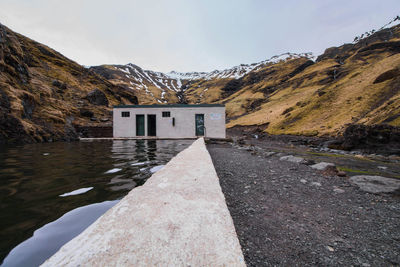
338,190
322,166
294,159
316,184
376,184
268,154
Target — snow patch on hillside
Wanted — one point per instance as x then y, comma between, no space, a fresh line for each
235,72
138,78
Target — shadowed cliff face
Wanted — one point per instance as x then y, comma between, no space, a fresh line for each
42,93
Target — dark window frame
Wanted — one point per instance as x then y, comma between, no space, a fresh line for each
166,114
125,114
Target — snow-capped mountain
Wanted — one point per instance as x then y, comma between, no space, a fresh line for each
166,87
235,72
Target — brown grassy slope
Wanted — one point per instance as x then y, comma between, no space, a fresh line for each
355,83
43,92
204,91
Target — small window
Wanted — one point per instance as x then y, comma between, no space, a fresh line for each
125,114
166,114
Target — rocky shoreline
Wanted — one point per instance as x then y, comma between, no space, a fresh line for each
356,139
293,210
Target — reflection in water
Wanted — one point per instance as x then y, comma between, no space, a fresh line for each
32,178
35,250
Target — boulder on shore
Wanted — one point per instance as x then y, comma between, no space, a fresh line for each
294,159
376,184
322,166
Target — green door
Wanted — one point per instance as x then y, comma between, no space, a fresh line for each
139,125
199,124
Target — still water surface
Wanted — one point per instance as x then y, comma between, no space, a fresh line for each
49,193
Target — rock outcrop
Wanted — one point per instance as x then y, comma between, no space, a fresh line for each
97,97
372,136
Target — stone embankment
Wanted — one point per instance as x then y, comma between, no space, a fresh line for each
177,218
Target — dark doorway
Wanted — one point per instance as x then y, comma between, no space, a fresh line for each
151,125
139,125
199,124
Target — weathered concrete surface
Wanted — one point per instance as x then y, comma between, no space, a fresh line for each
177,218
376,184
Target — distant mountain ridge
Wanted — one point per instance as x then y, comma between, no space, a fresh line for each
167,87
239,71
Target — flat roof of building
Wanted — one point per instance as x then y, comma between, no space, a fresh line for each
171,106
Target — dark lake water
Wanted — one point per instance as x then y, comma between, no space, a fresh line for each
51,192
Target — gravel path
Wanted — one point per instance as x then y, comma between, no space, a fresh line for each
288,214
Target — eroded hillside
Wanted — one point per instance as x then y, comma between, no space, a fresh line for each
43,95
356,83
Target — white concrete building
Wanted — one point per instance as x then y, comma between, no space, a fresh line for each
169,121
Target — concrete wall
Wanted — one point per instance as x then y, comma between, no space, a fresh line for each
214,119
177,218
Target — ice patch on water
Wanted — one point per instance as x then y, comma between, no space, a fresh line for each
156,168
140,163
113,170
77,192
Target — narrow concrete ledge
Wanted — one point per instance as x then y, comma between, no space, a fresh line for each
177,218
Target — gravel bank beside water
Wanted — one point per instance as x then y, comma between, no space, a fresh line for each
287,213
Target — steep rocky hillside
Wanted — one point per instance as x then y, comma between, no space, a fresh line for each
44,95
355,83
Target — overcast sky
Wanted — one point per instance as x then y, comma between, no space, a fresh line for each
192,35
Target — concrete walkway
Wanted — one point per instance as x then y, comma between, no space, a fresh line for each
177,218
